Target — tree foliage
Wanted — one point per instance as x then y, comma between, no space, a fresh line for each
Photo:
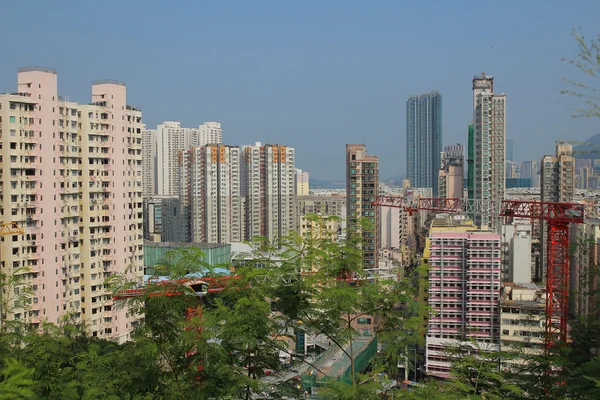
237,342
588,62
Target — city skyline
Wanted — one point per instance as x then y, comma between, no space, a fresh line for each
308,72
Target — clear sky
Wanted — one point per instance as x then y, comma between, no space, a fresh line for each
314,75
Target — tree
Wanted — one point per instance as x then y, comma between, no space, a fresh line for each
165,328
62,362
15,294
588,62
226,343
330,294
230,344
476,372
15,381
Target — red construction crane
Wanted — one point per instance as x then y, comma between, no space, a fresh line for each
558,217
198,287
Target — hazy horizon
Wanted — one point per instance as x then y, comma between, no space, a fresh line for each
314,75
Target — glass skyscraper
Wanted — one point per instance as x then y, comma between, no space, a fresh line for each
424,140
509,150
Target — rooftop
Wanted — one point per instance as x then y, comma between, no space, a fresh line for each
452,221
108,82
38,69
523,303
184,244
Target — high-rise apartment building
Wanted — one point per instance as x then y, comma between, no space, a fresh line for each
464,291
362,186
558,175
163,219
210,133
171,139
471,162
489,138
72,178
211,193
424,140
302,183
451,173
269,191
149,173
557,183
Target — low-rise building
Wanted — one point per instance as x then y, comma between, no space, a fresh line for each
322,206
215,254
522,318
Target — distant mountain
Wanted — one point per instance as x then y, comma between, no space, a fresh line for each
319,184
589,149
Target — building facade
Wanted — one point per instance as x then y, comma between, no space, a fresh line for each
511,170
451,174
210,133
518,263
211,193
72,178
302,183
557,184
322,206
531,170
509,150
558,175
149,173
391,222
489,138
269,191
464,291
522,322
362,186
424,140
163,219
171,140
583,280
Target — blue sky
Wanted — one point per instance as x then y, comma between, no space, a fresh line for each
313,74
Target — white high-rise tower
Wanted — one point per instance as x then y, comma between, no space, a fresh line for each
489,122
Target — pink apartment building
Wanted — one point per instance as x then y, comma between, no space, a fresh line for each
71,178
464,292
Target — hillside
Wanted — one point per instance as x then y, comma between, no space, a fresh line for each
589,149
